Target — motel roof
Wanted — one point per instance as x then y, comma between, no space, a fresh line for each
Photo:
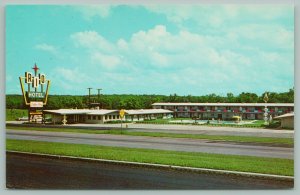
101,112
148,111
104,111
68,111
285,116
80,111
223,104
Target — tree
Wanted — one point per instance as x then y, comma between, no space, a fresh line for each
129,101
230,98
247,98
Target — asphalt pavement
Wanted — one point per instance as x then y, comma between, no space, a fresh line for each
172,144
36,172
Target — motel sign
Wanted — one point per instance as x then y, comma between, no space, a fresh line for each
36,84
35,97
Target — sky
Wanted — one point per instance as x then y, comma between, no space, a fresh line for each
152,49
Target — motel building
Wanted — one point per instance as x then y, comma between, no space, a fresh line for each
100,116
287,120
204,111
225,111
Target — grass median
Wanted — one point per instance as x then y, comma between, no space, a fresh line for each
190,159
288,142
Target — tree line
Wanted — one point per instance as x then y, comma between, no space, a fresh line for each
129,101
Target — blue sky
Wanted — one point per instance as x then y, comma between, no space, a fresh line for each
153,49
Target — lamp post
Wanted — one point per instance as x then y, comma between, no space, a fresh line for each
266,98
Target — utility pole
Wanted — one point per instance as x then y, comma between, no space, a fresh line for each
99,97
89,88
99,94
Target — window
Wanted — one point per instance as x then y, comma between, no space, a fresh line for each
94,117
99,117
105,117
114,116
109,117
89,117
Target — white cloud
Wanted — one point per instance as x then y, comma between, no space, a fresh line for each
92,40
122,45
272,36
47,48
69,75
90,11
105,61
187,58
207,13
70,80
176,14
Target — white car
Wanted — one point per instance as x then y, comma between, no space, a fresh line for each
24,118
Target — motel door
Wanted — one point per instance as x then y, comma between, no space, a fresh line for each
200,116
219,116
81,118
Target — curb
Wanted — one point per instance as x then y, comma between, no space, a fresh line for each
203,170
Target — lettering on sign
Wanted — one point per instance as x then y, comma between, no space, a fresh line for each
36,113
36,94
34,104
35,80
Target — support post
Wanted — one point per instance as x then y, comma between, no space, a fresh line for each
64,121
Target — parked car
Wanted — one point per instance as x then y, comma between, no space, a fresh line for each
24,118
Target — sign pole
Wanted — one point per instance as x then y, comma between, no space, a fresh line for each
121,122
29,114
122,113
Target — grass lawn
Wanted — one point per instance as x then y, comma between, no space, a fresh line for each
259,122
189,159
178,121
262,140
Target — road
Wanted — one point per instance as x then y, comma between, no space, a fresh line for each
34,172
173,144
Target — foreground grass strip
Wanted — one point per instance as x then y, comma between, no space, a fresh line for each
190,159
262,140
